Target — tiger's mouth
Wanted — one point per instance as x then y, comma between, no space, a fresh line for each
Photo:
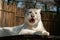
32,20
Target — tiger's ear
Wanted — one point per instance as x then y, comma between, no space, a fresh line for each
26,9
39,10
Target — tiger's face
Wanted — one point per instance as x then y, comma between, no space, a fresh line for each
32,16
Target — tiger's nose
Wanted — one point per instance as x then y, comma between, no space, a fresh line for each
32,15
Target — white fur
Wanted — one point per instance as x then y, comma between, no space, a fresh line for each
28,27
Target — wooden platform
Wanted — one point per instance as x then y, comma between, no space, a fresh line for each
30,37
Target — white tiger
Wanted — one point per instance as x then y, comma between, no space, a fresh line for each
32,25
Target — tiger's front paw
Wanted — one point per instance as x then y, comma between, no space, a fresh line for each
46,33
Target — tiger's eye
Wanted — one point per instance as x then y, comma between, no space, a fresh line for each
30,12
35,12
27,13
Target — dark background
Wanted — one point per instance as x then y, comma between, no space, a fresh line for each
57,18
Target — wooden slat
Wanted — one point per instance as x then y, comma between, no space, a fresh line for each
8,17
6,11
